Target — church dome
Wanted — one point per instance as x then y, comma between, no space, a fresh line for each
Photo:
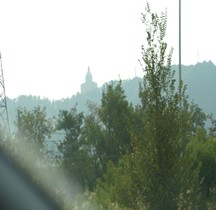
89,85
88,76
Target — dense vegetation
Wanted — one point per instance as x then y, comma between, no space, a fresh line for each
157,154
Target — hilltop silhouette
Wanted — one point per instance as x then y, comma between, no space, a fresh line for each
199,78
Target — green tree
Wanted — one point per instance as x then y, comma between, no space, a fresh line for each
198,117
116,186
34,127
115,114
161,170
29,146
212,129
204,146
93,139
107,128
74,153
207,156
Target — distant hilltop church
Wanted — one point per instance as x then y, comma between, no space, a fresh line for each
89,85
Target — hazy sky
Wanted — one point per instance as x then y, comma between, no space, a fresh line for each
47,45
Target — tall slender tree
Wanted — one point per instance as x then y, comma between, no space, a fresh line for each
159,156
162,171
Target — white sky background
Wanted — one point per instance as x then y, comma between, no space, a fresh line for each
47,45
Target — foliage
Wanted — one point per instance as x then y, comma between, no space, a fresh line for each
72,155
204,146
159,171
198,117
116,186
115,114
34,125
156,155
164,174
212,129
91,142
34,128
75,153
107,128
85,201
88,201
70,122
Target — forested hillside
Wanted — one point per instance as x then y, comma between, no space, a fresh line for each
199,78
201,85
136,144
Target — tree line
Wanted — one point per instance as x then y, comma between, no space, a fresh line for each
154,155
